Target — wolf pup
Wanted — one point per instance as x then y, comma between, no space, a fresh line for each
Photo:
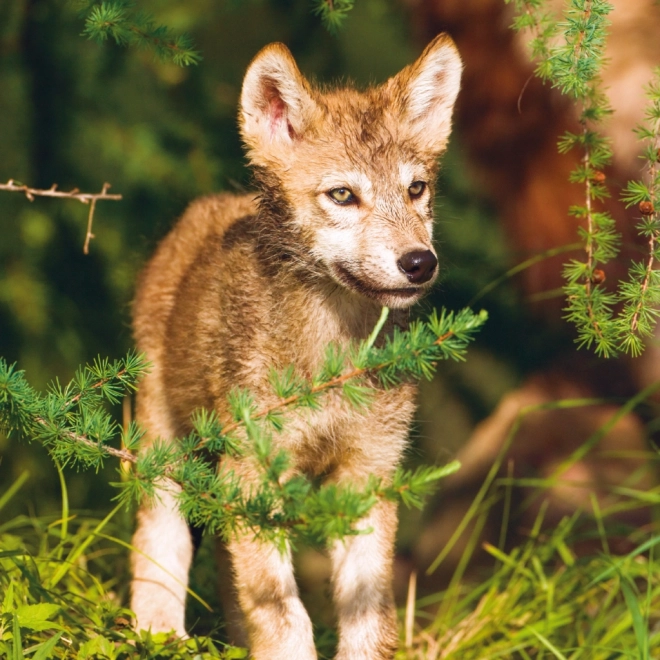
341,225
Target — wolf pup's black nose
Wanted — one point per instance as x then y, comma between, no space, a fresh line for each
418,266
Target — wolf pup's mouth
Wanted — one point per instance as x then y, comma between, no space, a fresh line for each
392,297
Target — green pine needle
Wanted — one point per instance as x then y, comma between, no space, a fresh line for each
72,422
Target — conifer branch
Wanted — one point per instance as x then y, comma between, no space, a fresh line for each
588,277
73,425
333,12
654,235
597,316
364,371
576,72
577,48
85,198
121,454
117,20
532,15
589,216
641,295
574,67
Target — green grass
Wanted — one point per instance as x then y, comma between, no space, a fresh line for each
62,584
546,598
542,601
62,581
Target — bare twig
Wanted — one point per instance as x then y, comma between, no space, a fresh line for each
85,198
31,193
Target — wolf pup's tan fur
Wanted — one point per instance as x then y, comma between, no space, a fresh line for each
340,227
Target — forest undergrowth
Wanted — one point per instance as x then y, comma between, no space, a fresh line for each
564,591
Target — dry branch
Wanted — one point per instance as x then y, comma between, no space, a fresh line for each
85,198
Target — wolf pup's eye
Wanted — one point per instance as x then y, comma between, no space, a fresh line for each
343,196
416,189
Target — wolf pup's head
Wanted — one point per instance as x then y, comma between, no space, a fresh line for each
357,169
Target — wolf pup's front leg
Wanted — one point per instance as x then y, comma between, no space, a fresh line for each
162,545
362,578
278,625
160,564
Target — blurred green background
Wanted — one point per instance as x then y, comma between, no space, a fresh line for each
80,114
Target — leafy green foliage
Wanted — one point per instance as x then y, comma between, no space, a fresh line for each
117,20
58,581
121,22
411,487
533,15
565,588
573,65
542,600
71,421
541,596
74,425
333,12
641,295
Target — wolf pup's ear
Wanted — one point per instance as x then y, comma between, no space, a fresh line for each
276,102
426,91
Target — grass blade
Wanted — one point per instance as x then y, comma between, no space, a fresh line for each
65,509
548,645
13,489
75,553
45,650
17,642
132,548
638,619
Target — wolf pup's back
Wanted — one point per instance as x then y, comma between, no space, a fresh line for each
341,225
